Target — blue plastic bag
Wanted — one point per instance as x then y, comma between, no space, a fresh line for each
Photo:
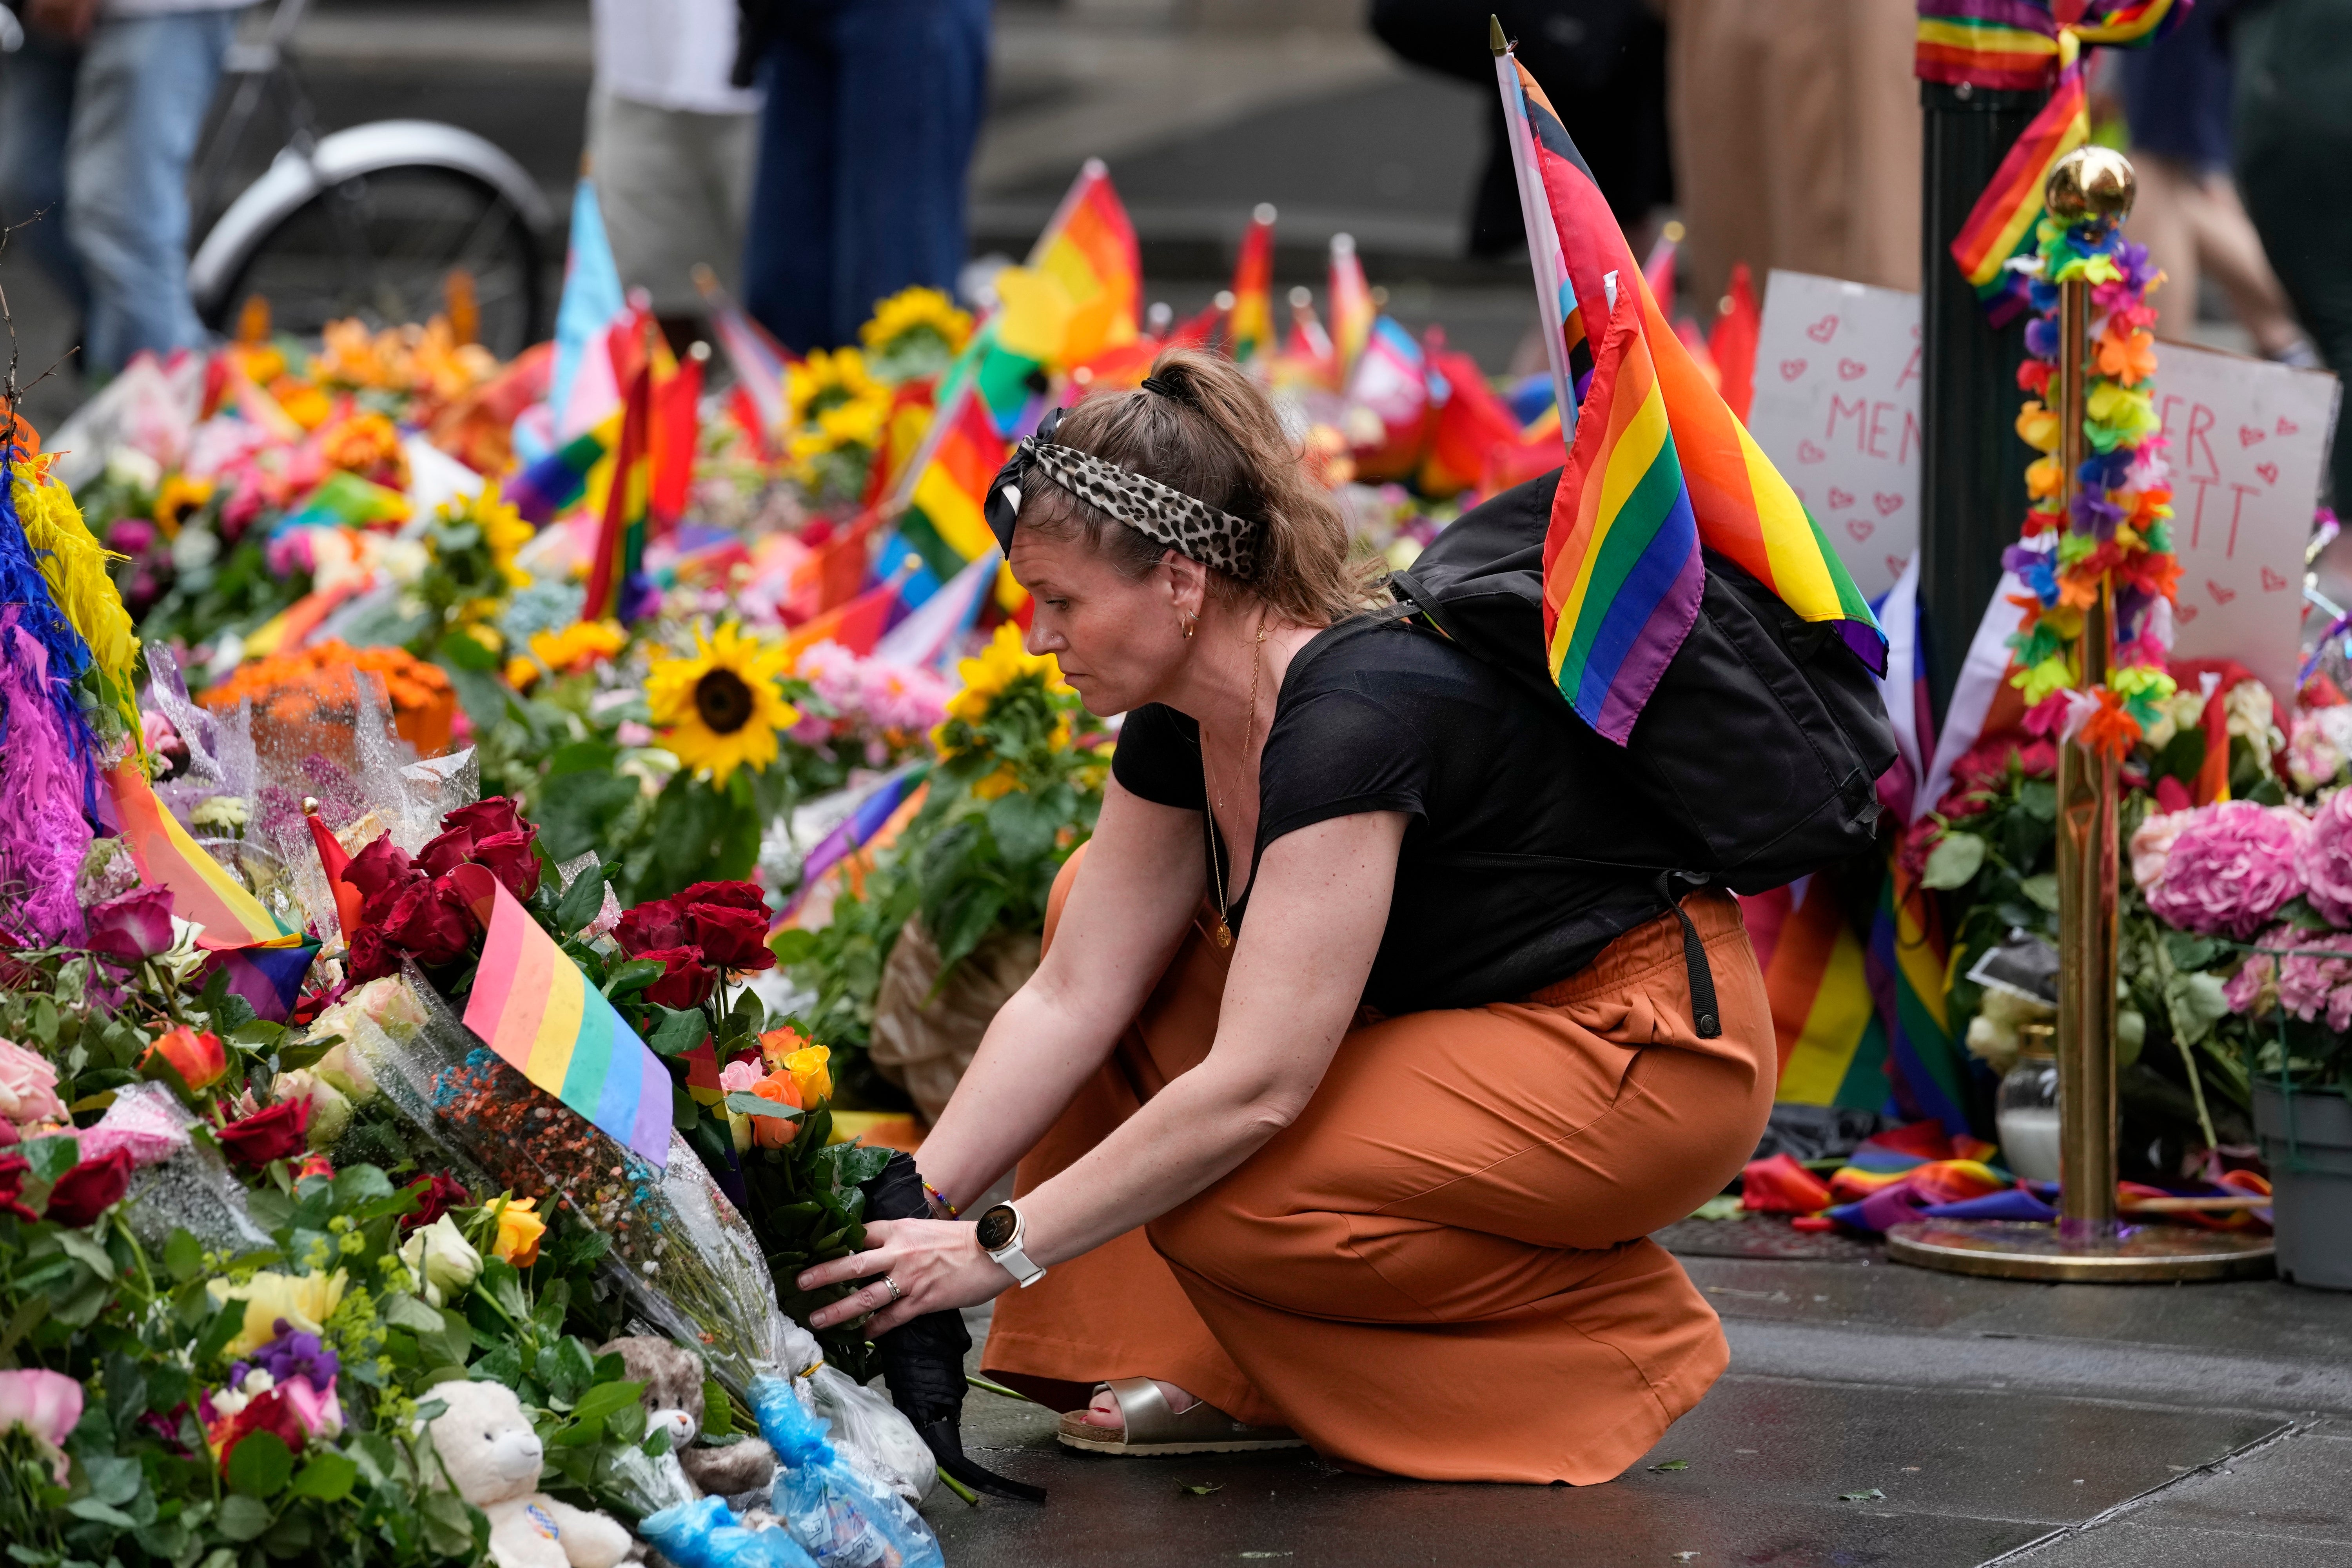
704,1534
841,1516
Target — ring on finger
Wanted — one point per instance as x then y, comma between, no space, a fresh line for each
896,1293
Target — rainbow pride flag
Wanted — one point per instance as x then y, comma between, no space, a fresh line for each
616,574
202,890
2001,224
538,1012
943,521
1249,327
1352,311
546,487
1088,247
1832,1046
1658,466
866,819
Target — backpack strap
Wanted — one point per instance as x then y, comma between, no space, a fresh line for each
1704,1015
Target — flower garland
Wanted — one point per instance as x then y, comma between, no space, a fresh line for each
2118,531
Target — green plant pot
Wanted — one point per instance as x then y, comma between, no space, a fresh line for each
2306,1139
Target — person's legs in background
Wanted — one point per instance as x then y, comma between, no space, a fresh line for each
914,80
673,184
791,237
138,104
2293,141
36,94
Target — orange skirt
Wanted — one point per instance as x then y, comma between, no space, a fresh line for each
1440,1269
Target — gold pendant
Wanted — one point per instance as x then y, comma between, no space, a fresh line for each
1223,933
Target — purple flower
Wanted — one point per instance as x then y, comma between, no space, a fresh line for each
290,1355
2325,858
2229,870
136,926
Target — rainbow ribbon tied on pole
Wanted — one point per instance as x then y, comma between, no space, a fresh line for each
2024,46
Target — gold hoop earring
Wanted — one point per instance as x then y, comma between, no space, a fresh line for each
1189,625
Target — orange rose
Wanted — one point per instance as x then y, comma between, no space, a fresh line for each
199,1059
769,1132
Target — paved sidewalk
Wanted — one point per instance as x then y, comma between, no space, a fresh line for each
1874,1413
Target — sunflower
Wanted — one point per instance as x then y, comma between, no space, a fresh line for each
825,381
720,707
917,331
178,498
1000,664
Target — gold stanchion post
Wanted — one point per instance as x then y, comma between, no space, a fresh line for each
2087,1243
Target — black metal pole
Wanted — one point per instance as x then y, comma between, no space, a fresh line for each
1972,466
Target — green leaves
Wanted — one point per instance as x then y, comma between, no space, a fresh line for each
580,814
583,901
743,1102
327,1477
260,1464
52,1157
243,1518
676,1030
1954,862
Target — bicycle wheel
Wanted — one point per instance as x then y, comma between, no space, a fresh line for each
382,246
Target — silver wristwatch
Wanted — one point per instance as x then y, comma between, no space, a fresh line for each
1001,1230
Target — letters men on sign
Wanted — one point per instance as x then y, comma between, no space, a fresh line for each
1837,410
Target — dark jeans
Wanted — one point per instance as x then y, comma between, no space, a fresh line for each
2293,135
873,108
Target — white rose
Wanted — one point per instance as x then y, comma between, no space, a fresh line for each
443,1260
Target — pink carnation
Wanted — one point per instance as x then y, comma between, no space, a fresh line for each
2231,869
2309,986
2325,860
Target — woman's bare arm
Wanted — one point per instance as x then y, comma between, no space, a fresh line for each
1316,912
1126,914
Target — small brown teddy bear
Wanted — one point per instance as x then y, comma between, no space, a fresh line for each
673,1398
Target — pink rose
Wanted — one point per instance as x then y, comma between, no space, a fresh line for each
2152,842
48,1405
743,1076
28,1087
2325,860
2231,869
136,926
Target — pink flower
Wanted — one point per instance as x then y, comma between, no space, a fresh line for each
2309,986
744,1075
2325,860
2151,842
28,1087
321,1414
136,926
2230,869
45,1404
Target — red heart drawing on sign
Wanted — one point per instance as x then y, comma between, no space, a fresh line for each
1791,369
1894,564
1862,528
1887,505
2220,595
1822,330
2286,426
2184,614
2248,436
1809,453
1839,500
1848,369
2271,580
2269,472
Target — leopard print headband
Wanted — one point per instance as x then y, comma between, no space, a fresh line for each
1184,524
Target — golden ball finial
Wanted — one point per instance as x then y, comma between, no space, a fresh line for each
2091,183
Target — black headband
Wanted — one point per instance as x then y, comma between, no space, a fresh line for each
1184,523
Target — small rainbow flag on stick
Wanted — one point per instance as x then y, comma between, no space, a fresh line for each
1251,324
539,1013
202,890
1658,468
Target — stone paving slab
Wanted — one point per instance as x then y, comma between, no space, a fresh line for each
1965,1475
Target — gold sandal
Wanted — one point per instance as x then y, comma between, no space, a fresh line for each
1149,1428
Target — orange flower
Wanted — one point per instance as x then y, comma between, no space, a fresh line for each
2111,732
2130,359
769,1132
314,687
199,1059
778,1044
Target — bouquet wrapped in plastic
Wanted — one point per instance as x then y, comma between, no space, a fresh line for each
841,1516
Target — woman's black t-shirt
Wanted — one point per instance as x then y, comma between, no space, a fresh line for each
1506,881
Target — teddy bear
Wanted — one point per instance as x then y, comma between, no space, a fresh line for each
491,1458
673,1398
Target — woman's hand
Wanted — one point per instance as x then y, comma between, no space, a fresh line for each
936,1264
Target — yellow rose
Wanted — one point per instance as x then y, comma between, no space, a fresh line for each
811,1075
519,1228
306,1303
999,782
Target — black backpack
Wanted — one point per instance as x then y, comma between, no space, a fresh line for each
1762,742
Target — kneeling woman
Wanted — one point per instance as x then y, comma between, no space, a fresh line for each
1372,1168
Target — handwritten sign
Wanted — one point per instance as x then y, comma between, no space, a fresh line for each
2248,441
1837,410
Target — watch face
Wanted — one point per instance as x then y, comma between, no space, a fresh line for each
996,1227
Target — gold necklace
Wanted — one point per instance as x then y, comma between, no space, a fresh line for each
1225,932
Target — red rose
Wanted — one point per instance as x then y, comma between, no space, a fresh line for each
90,1188
275,1133
685,982
380,872
485,817
729,938
512,859
734,895
446,853
371,957
12,1186
440,1195
429,922
653,926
